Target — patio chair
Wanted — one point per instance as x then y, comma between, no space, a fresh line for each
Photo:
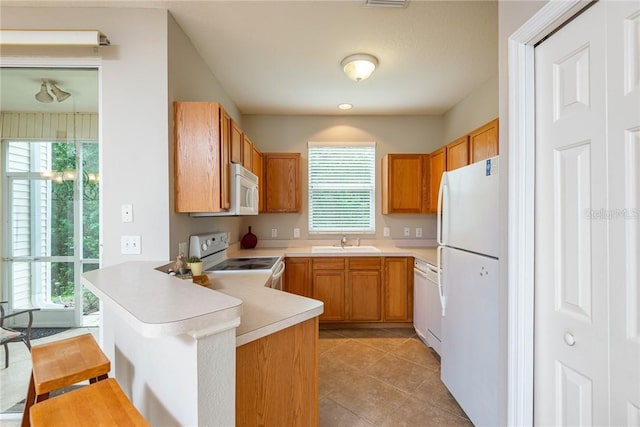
8,335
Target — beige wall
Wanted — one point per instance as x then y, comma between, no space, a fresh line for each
405,134
478,108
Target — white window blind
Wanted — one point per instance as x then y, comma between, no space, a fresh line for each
341,187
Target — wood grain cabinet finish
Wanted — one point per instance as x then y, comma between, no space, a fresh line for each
247,152
458,153
364,289
201,157
236,142
398,290
437,166
297,276
402,183
282,182
277,378
483,142
257,169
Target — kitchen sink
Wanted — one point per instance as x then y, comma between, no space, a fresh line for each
345,250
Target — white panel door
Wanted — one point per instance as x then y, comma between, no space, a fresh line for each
587,295
571,298
623,214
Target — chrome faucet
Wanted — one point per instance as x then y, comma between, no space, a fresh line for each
343,241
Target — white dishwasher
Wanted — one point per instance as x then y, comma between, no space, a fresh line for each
427,312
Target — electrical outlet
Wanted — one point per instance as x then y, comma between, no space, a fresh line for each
419,232
127,213
130,245
386,232
274,232
296,233
407,232
182,248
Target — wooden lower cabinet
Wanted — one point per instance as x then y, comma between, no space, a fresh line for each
297,276
329,287
398,289
365,296
277,378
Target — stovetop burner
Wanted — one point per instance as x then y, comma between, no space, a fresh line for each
260,263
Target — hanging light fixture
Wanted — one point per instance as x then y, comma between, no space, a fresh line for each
59,93
360,66
43,95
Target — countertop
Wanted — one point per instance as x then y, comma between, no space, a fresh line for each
427,254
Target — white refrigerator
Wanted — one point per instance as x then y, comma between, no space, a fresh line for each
468,256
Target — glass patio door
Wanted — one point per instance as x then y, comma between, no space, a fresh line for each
52,226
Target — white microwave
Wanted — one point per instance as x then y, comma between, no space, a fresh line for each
243,188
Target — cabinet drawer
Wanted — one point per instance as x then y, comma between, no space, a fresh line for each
328,263
365,263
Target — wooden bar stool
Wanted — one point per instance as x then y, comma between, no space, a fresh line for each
63,363
99,404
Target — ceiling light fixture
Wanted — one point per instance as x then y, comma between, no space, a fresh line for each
345,106
360,66
59,93
43,95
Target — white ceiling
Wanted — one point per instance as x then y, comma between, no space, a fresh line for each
283,57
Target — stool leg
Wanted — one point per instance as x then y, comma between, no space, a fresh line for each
31,396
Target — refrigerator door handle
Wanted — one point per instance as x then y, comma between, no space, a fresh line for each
440,219
440,291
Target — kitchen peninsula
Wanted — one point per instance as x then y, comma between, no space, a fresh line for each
188,355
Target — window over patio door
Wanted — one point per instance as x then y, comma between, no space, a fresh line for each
51,232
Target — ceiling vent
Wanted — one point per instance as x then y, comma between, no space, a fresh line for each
386,3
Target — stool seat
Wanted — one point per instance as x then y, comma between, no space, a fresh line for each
66,362
62,363
99,404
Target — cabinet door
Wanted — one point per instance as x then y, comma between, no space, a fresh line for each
197,162
329,287
236,143
398,290
458,153
225,154
256,168
365,296
282,182
297,276
401,183
437,166
483,141
247,152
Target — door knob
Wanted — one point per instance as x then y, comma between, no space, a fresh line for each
569,339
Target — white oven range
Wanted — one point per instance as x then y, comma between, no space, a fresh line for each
212,249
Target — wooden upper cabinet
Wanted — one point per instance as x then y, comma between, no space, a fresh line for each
483,142
437,166
282,182
402,183
458,153
247,152
236,143
257,169
200,157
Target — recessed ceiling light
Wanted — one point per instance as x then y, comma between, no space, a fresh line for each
345,106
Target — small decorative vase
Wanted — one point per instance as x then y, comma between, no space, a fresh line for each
249,240
196,268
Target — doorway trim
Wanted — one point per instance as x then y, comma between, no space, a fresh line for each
521,203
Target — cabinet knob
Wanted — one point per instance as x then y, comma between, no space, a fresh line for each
569,339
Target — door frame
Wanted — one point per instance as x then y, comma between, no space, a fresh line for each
521,202
57,62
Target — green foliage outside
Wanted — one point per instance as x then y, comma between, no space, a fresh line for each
62,211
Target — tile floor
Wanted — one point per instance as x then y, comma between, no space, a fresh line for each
368,377
382,377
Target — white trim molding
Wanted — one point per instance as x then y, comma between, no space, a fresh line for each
521,203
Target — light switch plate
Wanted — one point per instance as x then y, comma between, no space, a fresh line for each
296,233
419,232
127,213
386,232
130,245
274,232
407,232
